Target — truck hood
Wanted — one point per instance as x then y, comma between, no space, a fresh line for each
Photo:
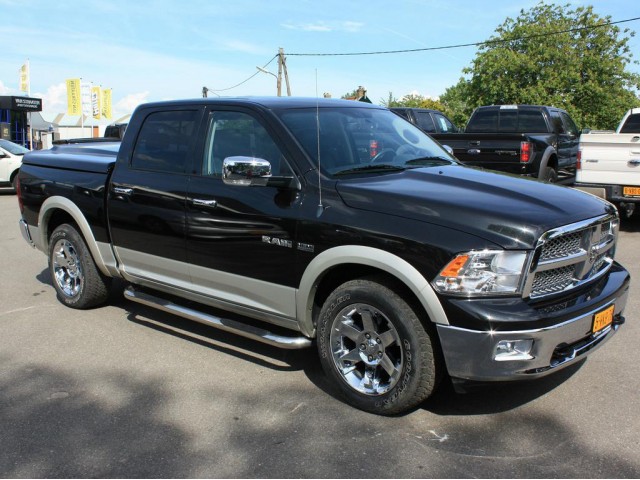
507,210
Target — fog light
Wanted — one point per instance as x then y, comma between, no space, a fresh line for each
507,350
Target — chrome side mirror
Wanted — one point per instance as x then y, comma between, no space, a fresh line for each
448,149
246,171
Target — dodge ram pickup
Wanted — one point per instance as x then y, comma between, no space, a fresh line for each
400,264
609,163
529,140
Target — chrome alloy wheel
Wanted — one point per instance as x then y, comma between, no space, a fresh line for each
67,268
366,348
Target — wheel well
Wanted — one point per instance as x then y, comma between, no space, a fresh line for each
343,273
57,218
553,162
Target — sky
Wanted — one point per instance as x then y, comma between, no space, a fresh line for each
165,50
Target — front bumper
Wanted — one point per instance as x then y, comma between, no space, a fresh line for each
470,354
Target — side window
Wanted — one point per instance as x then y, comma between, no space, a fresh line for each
164,141
425,122
557,122
443,122
569,126
232,134
632,124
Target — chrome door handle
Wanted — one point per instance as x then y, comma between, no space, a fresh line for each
205,203
122,191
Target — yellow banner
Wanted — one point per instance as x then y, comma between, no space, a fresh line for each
74,101
96,101
24,78
106,103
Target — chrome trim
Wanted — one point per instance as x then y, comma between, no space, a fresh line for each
26,234
469,353
596,245
227,325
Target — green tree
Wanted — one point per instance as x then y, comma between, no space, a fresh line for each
412,100
553,55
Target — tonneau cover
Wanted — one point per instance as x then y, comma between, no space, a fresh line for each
89,157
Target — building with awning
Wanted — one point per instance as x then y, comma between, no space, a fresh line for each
14,121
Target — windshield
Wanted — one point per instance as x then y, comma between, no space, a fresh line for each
13,148
363,140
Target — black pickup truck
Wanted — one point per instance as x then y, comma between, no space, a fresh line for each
335,223
530,140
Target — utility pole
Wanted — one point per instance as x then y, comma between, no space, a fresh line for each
205,90
282,66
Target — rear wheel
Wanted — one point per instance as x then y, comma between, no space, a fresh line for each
548,175
375,349
76,278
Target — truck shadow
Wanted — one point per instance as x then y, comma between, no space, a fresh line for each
478,399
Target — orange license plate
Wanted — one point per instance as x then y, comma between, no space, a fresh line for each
631,191
603,319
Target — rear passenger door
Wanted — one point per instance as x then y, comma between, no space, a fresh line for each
147,197
241,240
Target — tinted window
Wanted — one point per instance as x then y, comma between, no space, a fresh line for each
483,121
508,121
425,122
232,134
557,122
569,126
164,141
632,124
531,121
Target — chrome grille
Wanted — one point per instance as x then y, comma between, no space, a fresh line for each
570,256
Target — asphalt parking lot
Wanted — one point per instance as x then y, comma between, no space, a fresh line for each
127,391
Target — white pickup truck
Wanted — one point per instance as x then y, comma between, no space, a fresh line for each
609,163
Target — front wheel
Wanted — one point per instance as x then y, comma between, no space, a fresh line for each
375,348
77,280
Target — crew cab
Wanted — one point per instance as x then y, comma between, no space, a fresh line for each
335,224
609,163
530,140
10,160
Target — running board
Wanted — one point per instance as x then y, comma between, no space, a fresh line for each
232,326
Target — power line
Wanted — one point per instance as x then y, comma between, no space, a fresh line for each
477,44
244,81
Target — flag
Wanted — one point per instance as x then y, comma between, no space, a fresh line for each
106,103
96,100
74,101
24,78
85,94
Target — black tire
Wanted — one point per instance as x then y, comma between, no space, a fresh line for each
76,278
374,347
549,175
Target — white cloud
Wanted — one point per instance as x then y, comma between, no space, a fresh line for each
129,103
346,26
4,90
55,100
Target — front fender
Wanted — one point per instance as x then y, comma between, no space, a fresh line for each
371,257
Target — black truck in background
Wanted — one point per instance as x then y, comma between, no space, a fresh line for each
531,140
334,224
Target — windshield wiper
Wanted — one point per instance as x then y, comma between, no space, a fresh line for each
372,169
429,161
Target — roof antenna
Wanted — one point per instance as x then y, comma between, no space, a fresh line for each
321,207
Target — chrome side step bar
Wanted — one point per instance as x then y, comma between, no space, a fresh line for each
232,326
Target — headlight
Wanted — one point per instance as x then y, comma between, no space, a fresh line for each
488,272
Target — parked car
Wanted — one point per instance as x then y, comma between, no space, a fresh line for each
609,163
115,130
10,160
